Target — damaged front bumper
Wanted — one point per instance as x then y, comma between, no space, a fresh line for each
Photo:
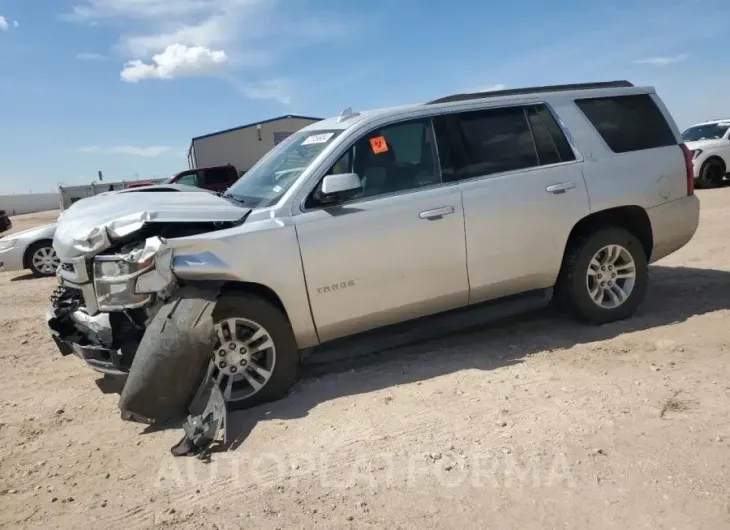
100,309
71,338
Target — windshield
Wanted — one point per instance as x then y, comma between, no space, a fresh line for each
711,131
267,181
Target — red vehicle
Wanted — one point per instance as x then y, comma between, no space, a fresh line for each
218,178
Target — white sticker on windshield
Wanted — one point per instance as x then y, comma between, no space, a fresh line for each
277,189
318,139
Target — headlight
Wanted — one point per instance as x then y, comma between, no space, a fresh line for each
129,281
696,153
115,280
6,244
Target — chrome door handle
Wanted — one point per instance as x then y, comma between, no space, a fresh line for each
561,188
437,213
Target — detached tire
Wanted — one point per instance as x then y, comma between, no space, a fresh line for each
171,358
604,276
253,338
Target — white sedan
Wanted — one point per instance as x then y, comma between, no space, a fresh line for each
31,249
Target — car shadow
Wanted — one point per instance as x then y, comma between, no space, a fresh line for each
25,277
675,294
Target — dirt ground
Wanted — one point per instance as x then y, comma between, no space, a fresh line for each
533,423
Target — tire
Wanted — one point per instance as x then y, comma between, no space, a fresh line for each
177,347
711,174
573,286
272,319
171,358
37,268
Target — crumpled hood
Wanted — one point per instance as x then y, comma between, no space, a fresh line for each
89,225
706,144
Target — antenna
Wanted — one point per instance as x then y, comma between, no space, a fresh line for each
347,114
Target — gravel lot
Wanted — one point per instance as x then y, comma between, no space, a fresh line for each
533,423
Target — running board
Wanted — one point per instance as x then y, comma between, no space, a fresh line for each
429,327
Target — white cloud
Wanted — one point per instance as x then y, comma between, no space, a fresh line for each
213,31
83,56
275,89
5,24
167,39
177,60
91,10
663,60
149,152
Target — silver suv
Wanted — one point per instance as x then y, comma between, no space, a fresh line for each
371,219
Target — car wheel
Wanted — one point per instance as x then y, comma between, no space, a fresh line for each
255,352
604,276
711,174
42,259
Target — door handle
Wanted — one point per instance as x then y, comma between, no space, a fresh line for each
561,188
436,213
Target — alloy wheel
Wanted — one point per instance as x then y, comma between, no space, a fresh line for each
611,276
46,261
244,358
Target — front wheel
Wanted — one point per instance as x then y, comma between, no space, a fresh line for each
255,354
604,276
245,342
42,259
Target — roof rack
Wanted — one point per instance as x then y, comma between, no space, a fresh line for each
531,90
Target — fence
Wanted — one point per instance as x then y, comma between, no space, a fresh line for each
21,203
67,195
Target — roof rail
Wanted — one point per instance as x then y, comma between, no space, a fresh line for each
531,90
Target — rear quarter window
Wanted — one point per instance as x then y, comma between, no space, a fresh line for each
628,123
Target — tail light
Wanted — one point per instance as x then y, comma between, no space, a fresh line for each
690,169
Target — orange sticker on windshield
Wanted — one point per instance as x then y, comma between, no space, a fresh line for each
379,145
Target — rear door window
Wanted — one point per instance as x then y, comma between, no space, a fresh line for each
494,141
190,179
550,141
216,175
628,123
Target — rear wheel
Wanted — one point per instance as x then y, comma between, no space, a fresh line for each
42,259
604,276
711,173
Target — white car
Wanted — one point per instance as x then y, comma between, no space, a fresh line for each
710,146
31,249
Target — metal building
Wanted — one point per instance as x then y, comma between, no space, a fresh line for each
243,146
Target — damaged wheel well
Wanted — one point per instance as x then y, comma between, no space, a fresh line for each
257,289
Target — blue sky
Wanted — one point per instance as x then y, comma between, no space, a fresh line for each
123,85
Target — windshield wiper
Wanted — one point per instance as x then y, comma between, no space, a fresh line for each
227,195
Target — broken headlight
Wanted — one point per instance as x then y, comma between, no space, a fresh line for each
129,280
114,282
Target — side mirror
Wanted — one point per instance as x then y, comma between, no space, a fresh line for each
341,187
